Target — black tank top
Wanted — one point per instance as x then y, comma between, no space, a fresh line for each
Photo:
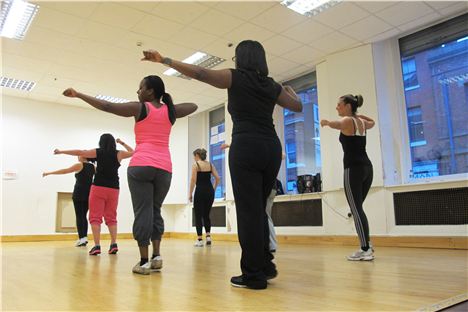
107,174
84,179
203,178
354,148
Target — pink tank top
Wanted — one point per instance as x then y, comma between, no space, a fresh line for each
152,139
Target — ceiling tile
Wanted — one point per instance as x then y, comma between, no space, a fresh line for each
248,31
307,31
418,23
79,9
221,49
116,15
216,23
366,28
19,62
52,39
459,8
375,6
180,12
157,27
244,10
303,55
278,18
280,66
341,15
385,35
192,38
101,33
333,42
58,21
404,12
438,5
279,45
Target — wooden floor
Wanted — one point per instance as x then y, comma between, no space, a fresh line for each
52,276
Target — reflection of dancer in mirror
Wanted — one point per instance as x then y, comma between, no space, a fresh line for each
104,193
150,171
252,96
202,170
84,172
358,170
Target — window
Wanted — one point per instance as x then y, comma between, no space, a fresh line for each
302,133
217,158
437,109
410,77
415,126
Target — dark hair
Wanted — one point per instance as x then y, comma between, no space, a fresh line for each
91,160
250,55
201,152
107,143
354,100
157,85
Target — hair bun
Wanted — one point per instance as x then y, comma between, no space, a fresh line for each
359,100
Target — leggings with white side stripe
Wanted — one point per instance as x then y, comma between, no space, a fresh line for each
357,182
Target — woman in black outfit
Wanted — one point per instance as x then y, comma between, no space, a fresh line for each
357,166
84,171
252,96
204,194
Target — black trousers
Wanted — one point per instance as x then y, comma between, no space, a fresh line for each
254,163
357,182
202,202
81,209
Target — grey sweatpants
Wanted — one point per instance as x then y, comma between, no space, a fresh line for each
271,226
148,188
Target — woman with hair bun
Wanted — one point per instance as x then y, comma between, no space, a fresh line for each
358,171
204,194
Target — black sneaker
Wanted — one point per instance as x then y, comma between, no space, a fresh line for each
113,249
96,250
271,273
238,281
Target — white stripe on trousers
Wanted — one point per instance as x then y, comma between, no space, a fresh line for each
352,205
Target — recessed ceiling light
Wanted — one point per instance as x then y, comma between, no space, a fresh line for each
111,99
309,7
198,58
15,18
17,84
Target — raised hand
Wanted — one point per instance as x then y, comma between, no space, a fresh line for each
119,141
57,151
70,92
324,122
152,56
224,146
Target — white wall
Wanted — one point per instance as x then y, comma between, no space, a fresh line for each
31,130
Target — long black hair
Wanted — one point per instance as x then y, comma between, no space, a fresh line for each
156,84
250,55
107,143
354,100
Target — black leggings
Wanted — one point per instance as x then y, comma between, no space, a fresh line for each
357,182
81,209
202,202
254,164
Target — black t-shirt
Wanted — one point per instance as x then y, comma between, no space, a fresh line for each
107,174
84,179
251,100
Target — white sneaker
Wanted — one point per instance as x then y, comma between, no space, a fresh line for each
156,263
82,242
144,269
362,255
208,241
199,243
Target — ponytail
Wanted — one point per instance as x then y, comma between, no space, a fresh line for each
167,99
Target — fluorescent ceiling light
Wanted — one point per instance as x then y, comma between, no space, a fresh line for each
17,84
198,58
15,18
111,99
309,7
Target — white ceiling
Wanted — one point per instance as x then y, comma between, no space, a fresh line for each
92,46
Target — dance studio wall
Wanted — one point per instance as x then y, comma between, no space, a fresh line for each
31,130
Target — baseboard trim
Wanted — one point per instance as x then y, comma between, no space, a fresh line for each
439,242
444,304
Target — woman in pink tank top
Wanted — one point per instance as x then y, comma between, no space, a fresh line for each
150,170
